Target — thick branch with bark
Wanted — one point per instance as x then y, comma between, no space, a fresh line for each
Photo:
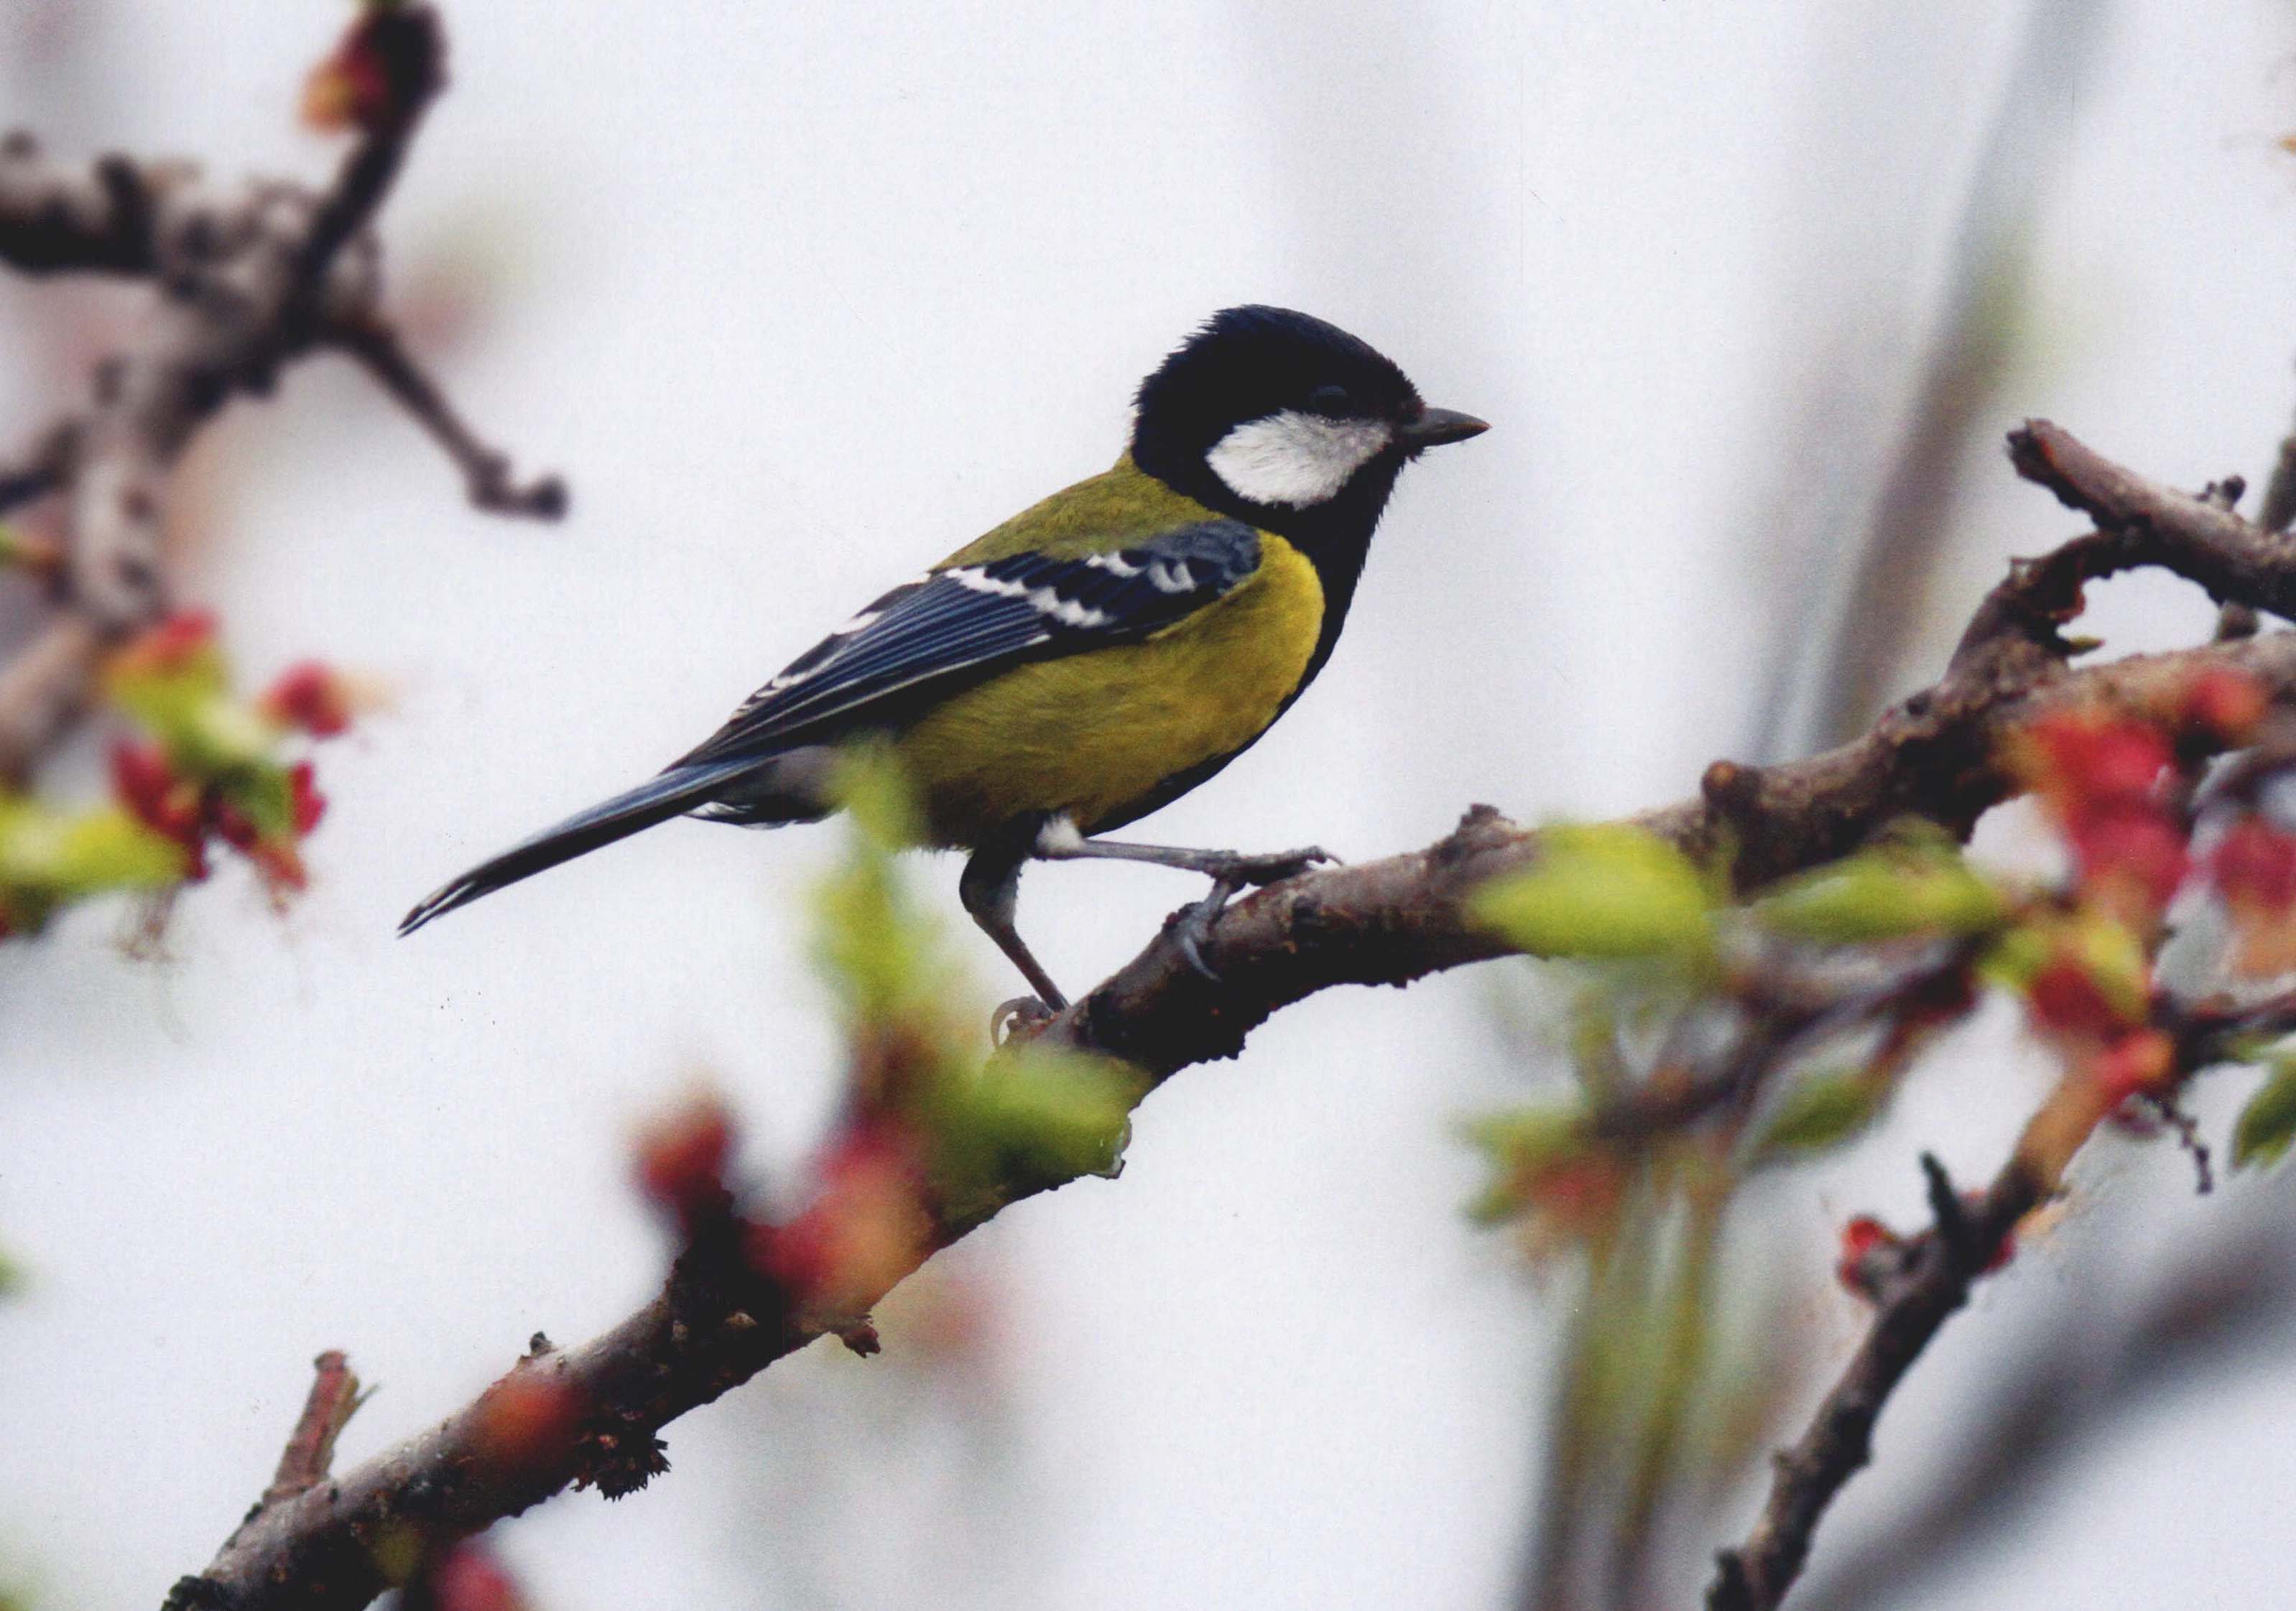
1390,921
245,280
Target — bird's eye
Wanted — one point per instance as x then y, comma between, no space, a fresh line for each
1332,401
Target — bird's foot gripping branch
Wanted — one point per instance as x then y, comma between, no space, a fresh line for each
1802,934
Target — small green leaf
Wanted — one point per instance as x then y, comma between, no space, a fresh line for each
2268,1122
2016,958
266,792
1029,1118
1823,1111
1609,891
878,796
883,953
2114,956
216,736
107,849
167,702
48,856
1886,893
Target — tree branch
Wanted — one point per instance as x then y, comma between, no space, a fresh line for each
486,471
107,216
247,281
1932,1284
44,688
2204,1313
1389,921
1937,756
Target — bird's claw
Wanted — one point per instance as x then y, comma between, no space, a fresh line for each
1020,1019
1257,872
1192,925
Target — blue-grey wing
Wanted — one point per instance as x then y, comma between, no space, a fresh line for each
962,622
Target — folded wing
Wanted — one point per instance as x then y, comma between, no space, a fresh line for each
959,624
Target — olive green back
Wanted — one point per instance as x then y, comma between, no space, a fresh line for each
1119,507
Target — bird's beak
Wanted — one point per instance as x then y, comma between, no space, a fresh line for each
1435,425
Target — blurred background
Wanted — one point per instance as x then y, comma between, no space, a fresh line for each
800,296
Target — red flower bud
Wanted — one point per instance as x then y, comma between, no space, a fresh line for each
146,782
2085,758
865,1230
2131,848
141,776
466,1578
169,647
381,72
181,637
682,1159
2254,866
236,826
2226,703
2065,998
311,696
2144,1059
310,805
1868,1247
1863,1234
526,1420
1578,1194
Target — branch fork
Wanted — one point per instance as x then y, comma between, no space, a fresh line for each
244,281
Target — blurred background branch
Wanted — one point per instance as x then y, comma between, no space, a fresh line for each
245,280
1880,543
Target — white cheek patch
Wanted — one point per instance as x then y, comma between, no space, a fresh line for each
1293,459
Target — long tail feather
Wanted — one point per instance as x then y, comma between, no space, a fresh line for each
657,800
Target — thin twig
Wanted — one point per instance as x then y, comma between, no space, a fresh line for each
2207,1309
44,687
410,42
1840,1439
486,471
2278,511
310,1451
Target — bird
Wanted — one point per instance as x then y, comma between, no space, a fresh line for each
1095,657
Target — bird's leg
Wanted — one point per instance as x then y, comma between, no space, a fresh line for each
990,890
1229,871
1059,841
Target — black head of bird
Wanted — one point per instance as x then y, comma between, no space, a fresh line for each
1094,658
1283,420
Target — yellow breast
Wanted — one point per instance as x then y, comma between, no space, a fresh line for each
1088,735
